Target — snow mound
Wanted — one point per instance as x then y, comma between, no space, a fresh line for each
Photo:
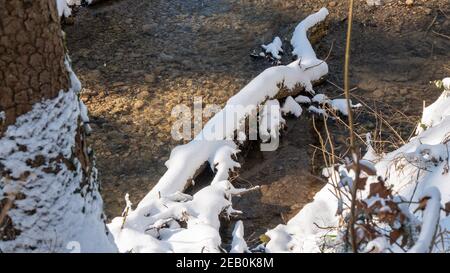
274,48
437,111
341,106
291,107
303,99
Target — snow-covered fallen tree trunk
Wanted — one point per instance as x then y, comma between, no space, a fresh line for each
164,207
219,131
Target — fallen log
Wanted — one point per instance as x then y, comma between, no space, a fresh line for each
273,83
215,144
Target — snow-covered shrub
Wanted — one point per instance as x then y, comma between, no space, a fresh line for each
401,202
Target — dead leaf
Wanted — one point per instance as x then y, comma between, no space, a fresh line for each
361,183
423,203
394,235
380,189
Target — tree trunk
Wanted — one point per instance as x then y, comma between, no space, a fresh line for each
49,198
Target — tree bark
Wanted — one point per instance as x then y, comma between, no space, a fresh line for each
49,196
31,56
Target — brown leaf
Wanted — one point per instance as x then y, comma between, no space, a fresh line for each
387,217
380,189
447,208
394,235
423,203
361,183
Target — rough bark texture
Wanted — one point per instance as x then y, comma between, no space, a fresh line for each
31,56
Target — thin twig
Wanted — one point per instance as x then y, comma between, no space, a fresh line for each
381,118
431,24
350,124
326,58
441,35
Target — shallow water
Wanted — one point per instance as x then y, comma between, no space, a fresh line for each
138,59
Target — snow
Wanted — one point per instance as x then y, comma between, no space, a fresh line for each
320,99
377,245
339,105
222,162
302,231
446,83
342,106
368,165
274,48
416,170
430,221
160,225
63,8
148,228
238,244
270,121
303,99
186,159
291,107
302,48
434,113
370,155
317,111
60,211
128,205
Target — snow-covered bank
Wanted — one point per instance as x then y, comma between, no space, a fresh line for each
418,174
166,209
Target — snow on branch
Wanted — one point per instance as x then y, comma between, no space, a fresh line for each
274,48
437,111
238,245
186,159
302,47
160,230
291,107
